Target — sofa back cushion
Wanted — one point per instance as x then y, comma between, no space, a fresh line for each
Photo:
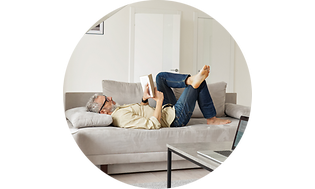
217,92
124,93
128,93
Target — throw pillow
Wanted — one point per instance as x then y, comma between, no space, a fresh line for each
80,118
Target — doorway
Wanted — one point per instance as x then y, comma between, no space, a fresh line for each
155,46
214,46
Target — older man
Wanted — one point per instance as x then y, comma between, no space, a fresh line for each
168,112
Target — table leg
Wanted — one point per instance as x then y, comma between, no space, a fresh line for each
169,168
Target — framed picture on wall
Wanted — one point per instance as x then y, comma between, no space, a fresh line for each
98,29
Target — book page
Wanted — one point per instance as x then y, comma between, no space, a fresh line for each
144,81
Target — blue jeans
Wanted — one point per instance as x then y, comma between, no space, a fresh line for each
185,105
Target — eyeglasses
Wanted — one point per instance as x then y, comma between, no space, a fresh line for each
103,103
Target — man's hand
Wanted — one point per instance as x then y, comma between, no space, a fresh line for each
159,96
146,93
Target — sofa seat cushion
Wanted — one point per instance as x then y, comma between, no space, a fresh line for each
95,141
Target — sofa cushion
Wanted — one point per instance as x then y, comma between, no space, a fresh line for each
115,140
128,93
236,110
124,93
79,118
217,92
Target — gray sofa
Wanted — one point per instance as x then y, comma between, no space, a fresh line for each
119,150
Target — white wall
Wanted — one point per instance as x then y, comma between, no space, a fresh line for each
242,82
99,57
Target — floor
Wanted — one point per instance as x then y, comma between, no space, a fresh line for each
160,176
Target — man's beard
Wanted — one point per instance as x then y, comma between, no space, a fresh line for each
114,107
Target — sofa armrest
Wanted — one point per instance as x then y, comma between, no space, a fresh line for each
236,111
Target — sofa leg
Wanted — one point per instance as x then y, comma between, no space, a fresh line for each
104,168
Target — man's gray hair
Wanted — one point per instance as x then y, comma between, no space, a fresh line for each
92,106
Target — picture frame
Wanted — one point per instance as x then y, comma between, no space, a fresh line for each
97,30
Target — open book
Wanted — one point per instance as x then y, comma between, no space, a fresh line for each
147,79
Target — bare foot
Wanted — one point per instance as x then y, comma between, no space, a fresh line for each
196,80
217,121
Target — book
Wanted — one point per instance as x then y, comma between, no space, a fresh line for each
147,79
